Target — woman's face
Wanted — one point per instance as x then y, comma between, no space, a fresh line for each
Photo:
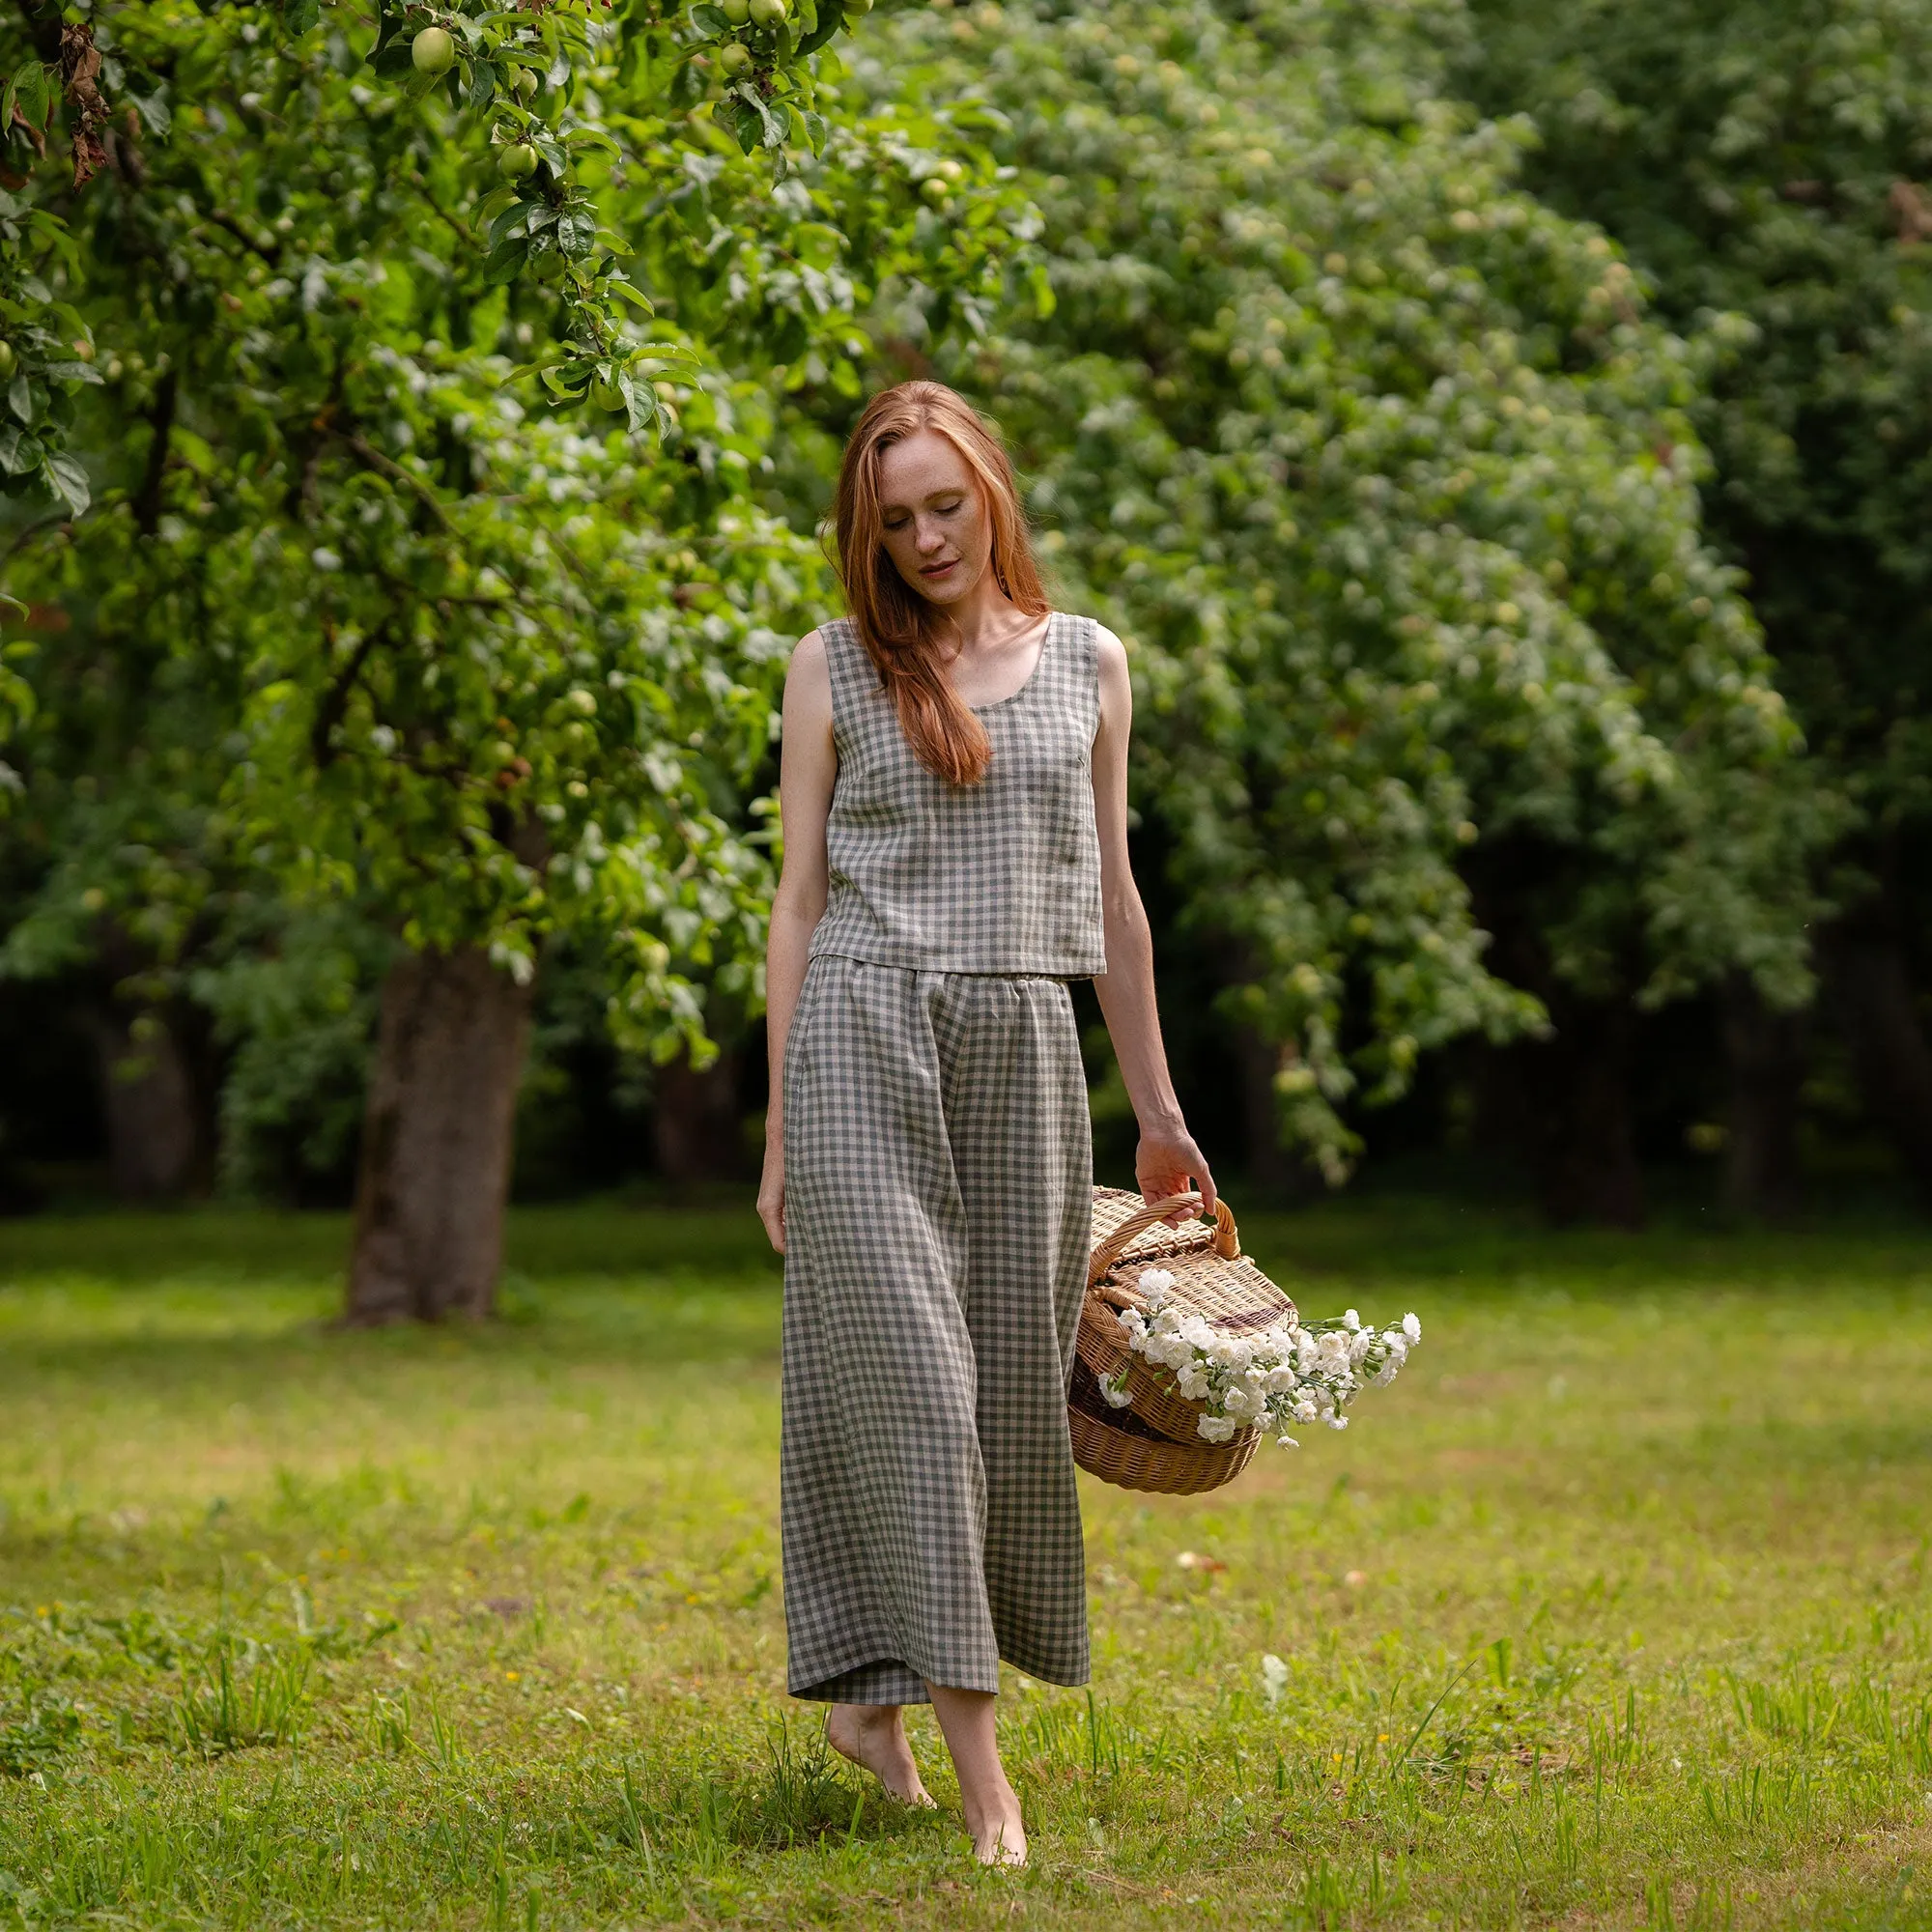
938,534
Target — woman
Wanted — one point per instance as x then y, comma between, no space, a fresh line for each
955,801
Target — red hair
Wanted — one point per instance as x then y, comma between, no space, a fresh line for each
899,628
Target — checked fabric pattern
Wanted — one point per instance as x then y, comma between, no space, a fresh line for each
938,1185
1002,877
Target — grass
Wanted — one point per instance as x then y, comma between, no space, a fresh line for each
1612,1611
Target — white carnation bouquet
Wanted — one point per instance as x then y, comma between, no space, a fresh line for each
1287,1373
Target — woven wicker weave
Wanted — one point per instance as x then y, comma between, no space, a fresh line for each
1130,1459
1212,1279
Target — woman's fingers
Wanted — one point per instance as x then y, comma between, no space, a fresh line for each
772,1212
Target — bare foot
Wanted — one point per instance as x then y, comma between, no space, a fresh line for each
999,1839
874,1735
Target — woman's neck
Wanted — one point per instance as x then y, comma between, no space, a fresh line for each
986,619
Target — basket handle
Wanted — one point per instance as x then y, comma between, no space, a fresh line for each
1227,1242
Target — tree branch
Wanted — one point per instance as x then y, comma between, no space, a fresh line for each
148,498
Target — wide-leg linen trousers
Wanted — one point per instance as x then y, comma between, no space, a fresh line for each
938,1206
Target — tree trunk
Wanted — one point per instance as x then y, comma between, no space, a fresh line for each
148,1101
437,1137
1880,1016
695,1124
1764,1050
1565,1101
1273,1171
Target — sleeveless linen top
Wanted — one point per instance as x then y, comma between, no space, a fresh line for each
1002,877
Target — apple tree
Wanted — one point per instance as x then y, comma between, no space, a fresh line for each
424,572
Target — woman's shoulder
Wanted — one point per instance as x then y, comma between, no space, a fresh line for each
1106,651
816,651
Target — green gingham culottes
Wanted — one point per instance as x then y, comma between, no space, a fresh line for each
938,1175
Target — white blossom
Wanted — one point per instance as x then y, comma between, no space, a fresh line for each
1274,1677
1412,1328
1284,1375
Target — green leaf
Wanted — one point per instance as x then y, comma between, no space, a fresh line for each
65,477
36,94
577,232
710,21
20,397
824,24
157,115
9,447
299,16
504,262
687,85
739,119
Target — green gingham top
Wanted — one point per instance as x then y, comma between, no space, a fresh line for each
1002,877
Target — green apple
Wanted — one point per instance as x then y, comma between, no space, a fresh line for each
934,189
518,162
433,51
606,395
8,360
769,12
737,12
525,82
735,58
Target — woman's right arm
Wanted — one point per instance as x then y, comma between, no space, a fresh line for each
807,767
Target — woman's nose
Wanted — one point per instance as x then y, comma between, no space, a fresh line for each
930,536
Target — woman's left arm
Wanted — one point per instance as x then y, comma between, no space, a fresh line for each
1167,1160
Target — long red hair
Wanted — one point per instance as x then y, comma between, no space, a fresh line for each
899,628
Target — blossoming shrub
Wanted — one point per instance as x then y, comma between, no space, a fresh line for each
1390,483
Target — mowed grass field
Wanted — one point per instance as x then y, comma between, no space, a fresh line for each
1613,1611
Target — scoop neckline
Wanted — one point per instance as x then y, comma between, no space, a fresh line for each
1027,683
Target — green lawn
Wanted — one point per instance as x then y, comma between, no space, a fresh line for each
1612,1611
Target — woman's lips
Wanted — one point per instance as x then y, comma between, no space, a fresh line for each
936,569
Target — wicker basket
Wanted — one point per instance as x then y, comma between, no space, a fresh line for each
1106,1445
1154,1443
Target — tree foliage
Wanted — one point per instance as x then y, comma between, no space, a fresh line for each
1394,486
1771,162
423,570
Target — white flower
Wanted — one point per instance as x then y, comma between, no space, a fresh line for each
1154,1284
1117,1392
1359,1344
1274,1677
1351,1320
1243,1404
1412,1328
1305,1411
1338,1421
1191,1384
1334,1350
1130,1320
1216,1428
325,559
1286,1442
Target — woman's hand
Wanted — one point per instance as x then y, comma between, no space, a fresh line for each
1169,1162
772,1192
